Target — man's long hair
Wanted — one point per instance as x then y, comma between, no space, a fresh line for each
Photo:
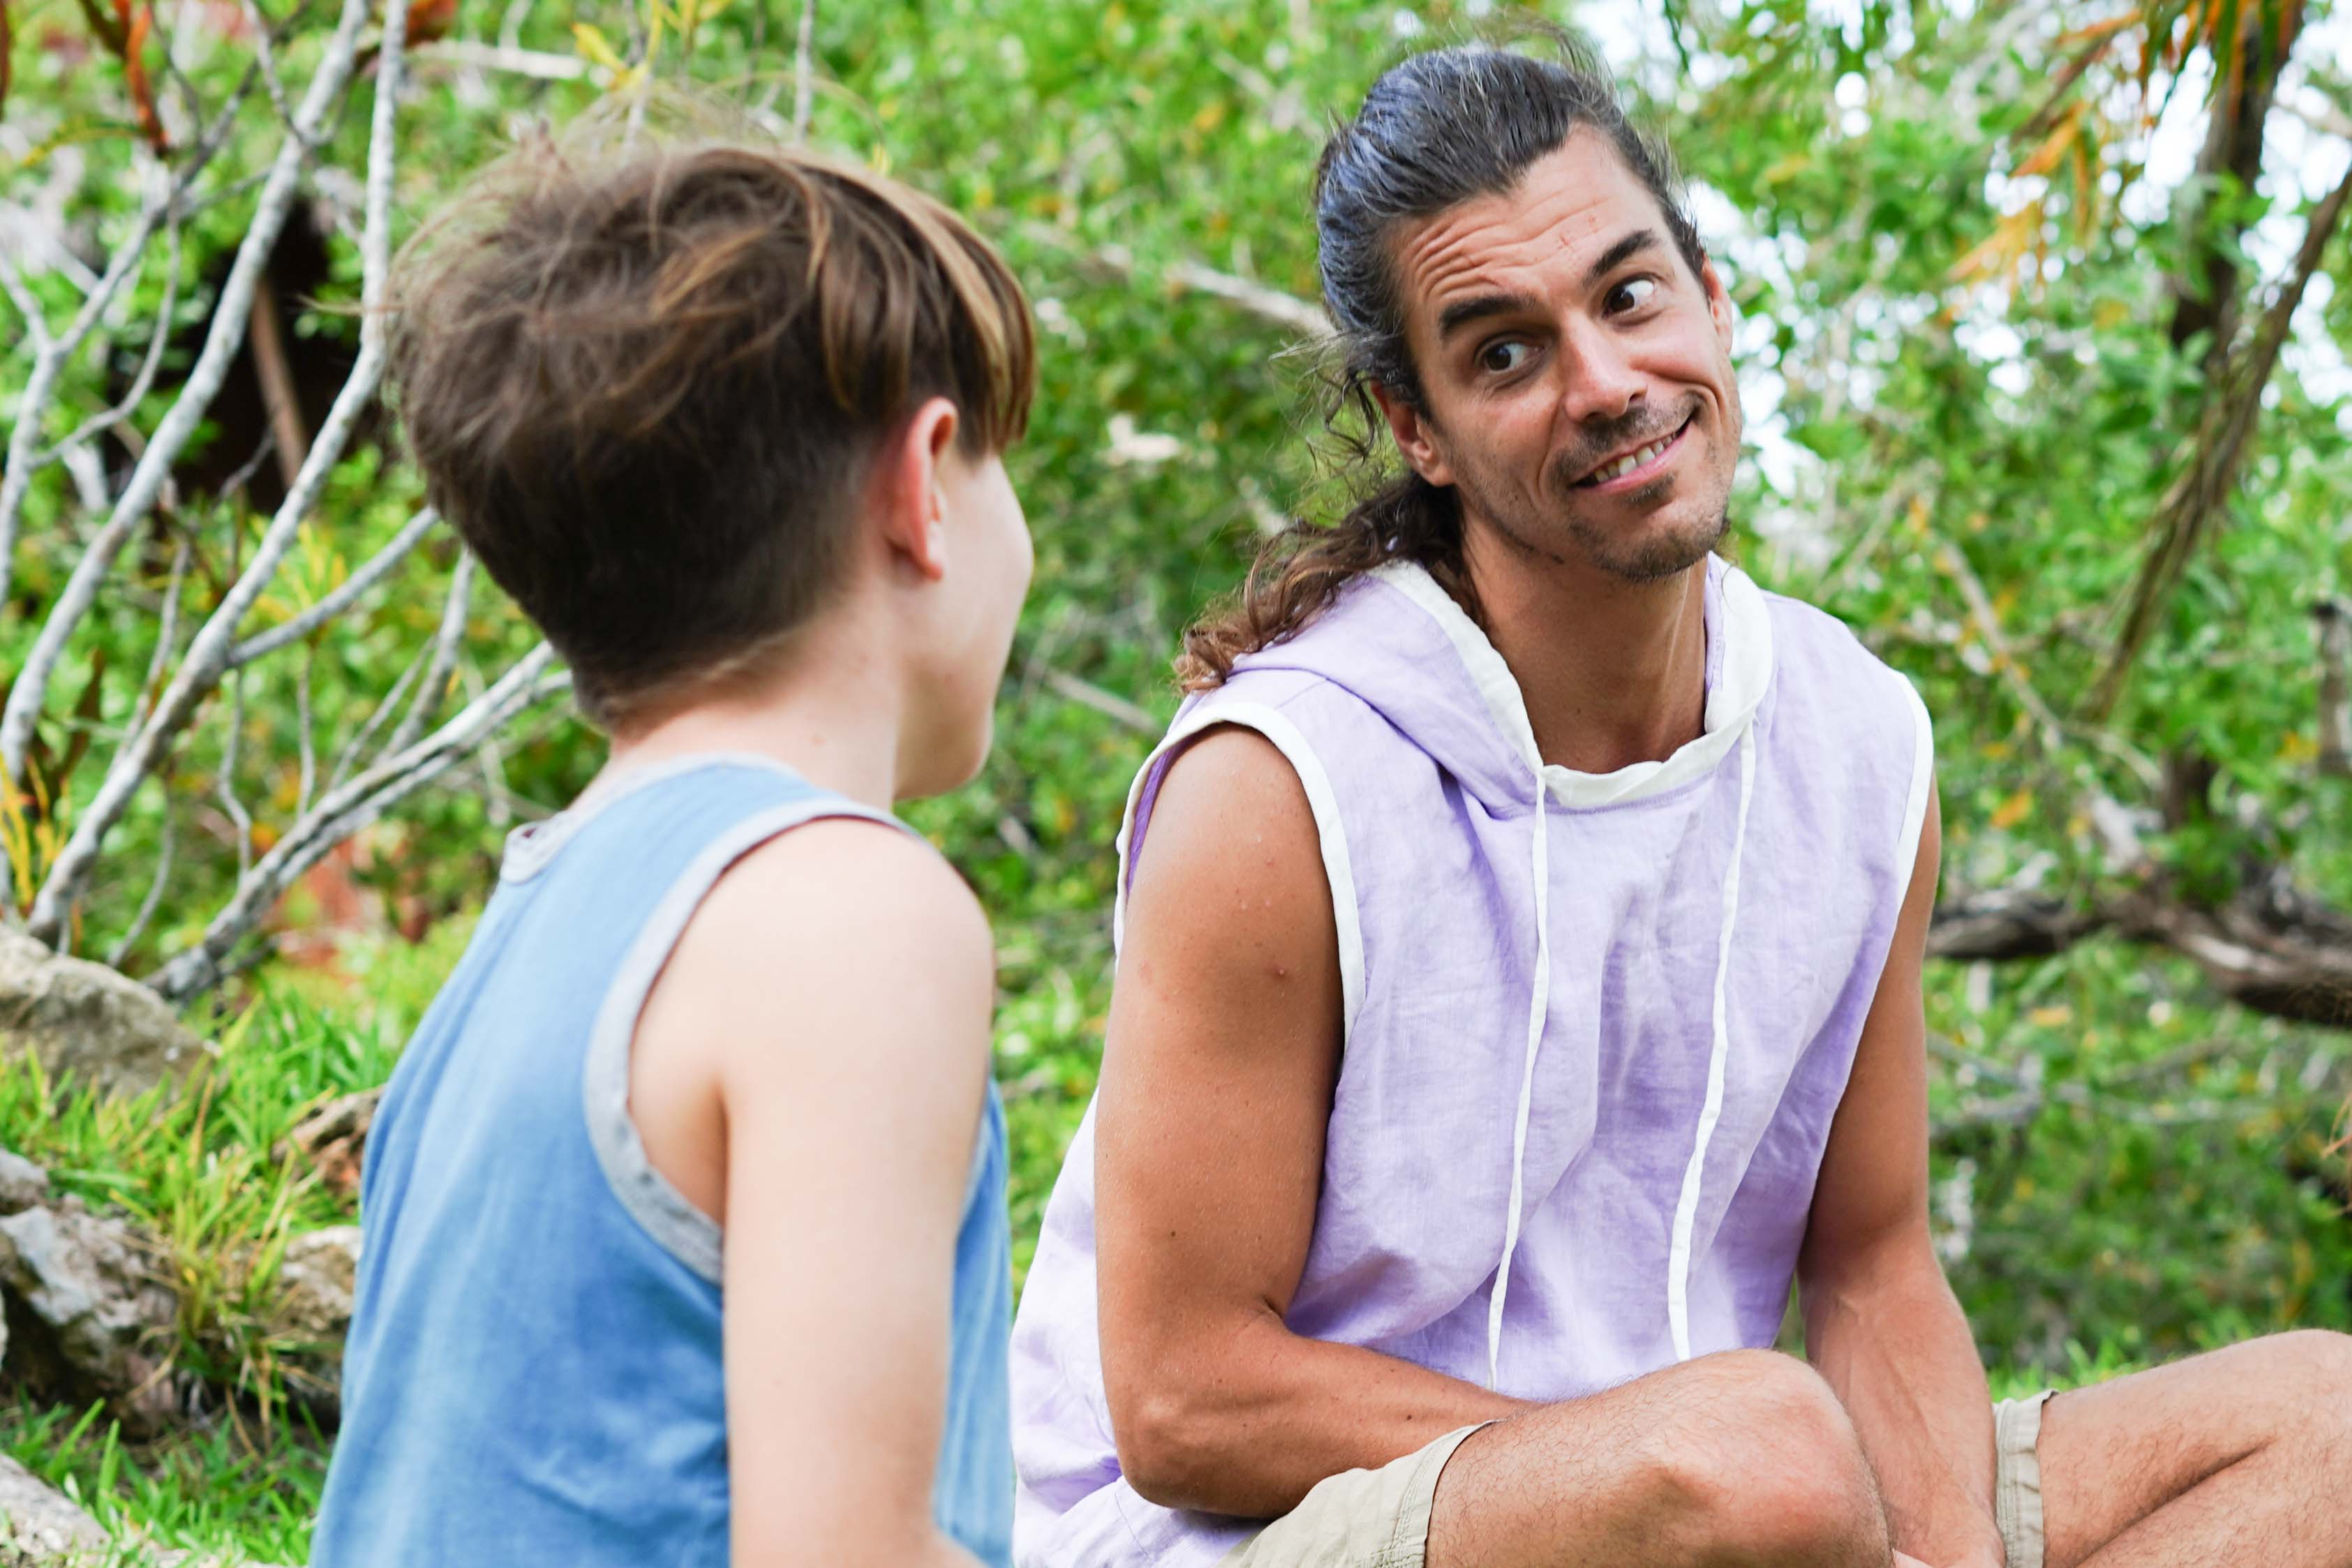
1439,129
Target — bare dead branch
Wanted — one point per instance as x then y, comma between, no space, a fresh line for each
805,71
279,398
1268,304
504,57
158,335
37,323
163,449
344,811
209,655
346,593
1987,620
1106,703
167,630
154,897
2334,619
446,639
50,355
304,743
225,788
265,60
2005,923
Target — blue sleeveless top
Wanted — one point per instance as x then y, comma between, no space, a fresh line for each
534,1373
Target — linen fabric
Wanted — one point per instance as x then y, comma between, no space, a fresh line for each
534,1373
1596,1026
1380,1518
2017,1479
1358,1519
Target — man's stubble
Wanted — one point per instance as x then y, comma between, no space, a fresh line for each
1540,528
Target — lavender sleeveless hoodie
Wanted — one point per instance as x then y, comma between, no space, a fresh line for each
1592,1051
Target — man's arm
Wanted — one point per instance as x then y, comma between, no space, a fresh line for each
1881,1324
838,981
1217,1078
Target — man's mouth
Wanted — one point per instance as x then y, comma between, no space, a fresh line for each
1627,464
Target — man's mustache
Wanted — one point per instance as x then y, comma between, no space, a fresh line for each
1618,435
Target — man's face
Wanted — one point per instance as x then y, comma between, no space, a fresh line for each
1576,374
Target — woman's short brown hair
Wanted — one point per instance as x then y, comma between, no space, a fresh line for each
645,383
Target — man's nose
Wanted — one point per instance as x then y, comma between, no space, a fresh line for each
1599,380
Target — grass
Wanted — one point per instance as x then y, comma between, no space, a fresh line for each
200,1170
219,1490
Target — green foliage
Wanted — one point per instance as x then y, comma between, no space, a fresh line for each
203,1171
214,1490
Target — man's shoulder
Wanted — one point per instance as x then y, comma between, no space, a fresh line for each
1808,631
1816,651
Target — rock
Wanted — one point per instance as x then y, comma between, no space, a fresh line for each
87,1021
89,1287
40,1527
23,1183
41,1522
317,1278
335,1140
319,1274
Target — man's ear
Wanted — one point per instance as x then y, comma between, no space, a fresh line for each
1719,303
1412,433
910,496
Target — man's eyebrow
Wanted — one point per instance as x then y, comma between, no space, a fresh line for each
1477,308
1480,307
1618,254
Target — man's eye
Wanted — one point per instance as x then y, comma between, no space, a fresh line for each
1504,356
1630,295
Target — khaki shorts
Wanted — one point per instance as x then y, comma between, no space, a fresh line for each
1380,1519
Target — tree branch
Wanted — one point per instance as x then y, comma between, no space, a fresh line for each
346,593
805,72
163,449
2192,508
344,811
208,657
1117,264
444,658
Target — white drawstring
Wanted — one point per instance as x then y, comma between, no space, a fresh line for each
1539,1009
1687,1211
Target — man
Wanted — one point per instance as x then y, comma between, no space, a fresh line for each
1519,983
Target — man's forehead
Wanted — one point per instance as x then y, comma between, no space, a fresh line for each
1569,207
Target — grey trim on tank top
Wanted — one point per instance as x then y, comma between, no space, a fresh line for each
681,1229
530,848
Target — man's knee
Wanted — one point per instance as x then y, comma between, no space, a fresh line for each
1765,1466
2319,1368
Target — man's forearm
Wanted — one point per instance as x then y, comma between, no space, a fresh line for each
1247,1420
1892,1343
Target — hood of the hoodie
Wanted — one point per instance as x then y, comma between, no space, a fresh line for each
1400,643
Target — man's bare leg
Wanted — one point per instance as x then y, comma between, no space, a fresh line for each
2240,1456
1744,1458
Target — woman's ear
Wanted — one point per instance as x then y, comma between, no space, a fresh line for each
909,491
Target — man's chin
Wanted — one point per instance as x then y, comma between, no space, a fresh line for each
1655,552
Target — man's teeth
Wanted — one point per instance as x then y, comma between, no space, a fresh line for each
1631,461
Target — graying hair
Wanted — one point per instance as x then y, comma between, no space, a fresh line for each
1440,129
